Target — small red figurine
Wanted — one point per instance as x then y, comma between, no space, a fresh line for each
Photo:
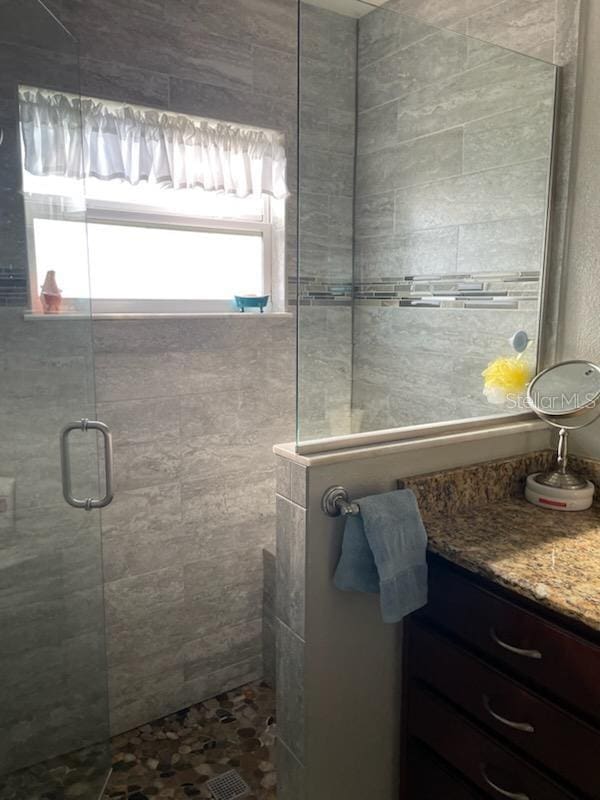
51,295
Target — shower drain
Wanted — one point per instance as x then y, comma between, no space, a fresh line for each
228,786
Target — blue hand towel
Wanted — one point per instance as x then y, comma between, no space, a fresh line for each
384,551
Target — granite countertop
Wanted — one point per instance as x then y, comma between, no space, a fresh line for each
548,556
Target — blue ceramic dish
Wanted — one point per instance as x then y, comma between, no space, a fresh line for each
243,302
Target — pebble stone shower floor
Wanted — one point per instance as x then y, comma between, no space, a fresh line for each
175,756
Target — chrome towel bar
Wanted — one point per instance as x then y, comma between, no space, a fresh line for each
336,503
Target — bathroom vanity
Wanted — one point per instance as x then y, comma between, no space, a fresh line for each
502,667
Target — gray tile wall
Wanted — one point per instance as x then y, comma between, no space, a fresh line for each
38,52
445,147
451,180
422,365
233,60
290,583
268,619
53,678
195,404
326,201
324,370
450,183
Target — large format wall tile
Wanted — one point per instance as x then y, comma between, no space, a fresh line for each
291,784
510,138
324,83
502,245
148,464
290,690
385,31
423,63
228,645
338,167
220,61
145,615
114,81
420,161
440,12
272,23
326,207
452,177
290,554
505,193
231,105
510,81
431,252
328,36
325,348
141,689
374,215
141,421
138,376
419,365
142,527
231,675
515,24
376,127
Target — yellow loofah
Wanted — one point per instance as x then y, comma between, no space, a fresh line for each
510,375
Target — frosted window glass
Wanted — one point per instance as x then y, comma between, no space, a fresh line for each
149,263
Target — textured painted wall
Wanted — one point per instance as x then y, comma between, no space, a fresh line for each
579,331
195,404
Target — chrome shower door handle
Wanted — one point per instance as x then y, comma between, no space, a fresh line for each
65,464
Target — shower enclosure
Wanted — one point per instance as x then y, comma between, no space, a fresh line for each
53,687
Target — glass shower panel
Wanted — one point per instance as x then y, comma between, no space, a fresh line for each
53,688
441,146
327,133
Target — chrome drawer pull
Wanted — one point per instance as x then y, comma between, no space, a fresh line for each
516,650
503,792
517,726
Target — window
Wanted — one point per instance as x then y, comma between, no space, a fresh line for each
150,247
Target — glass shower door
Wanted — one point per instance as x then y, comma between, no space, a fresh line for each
53,677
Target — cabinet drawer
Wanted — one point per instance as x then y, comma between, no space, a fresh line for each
496,770
553,737
430,779
526,644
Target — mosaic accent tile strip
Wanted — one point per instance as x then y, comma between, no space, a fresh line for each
473,290
313,291
468,290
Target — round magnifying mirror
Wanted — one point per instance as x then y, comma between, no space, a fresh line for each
566,396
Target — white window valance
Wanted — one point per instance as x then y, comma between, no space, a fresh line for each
68,136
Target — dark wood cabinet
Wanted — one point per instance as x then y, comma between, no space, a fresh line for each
499,701
432,779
